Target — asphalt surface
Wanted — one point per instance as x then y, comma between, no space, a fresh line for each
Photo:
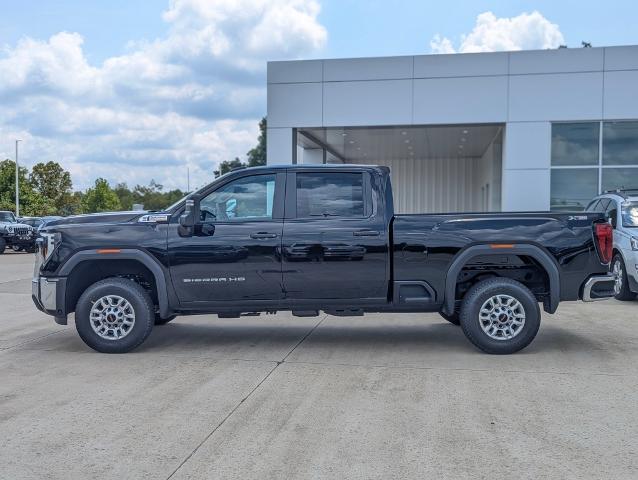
278,397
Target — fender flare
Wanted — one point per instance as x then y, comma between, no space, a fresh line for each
542,257
125,254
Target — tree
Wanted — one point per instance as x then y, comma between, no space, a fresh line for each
126,197
152,196
228,165
32,203
100,198
257,155
53,183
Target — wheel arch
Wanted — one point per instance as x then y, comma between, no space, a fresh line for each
545,261
143,259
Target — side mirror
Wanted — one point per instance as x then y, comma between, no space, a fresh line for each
190,217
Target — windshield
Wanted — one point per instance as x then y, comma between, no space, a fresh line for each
630,214
7,217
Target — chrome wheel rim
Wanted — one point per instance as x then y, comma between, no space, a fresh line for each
502,317
617,270
112,317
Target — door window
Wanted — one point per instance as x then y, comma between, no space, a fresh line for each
330,194
247,198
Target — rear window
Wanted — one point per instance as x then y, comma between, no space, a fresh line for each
329,194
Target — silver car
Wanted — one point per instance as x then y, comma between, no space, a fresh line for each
621,207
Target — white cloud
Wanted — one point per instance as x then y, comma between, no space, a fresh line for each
191,98
526,31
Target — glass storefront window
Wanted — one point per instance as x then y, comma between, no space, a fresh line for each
614,178
573,188
575,143
620,143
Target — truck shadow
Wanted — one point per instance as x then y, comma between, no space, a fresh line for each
430,337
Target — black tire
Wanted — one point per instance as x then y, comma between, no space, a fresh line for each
163,321
454,319
3,245
471,322
618,267
140,302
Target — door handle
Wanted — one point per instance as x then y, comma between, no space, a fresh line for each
366,233
262,235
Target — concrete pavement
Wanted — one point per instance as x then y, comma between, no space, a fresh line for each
380,396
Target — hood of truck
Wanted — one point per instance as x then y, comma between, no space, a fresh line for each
106,217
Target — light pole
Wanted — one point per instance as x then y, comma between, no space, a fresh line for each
17,183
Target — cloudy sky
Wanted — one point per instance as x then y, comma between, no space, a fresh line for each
138,89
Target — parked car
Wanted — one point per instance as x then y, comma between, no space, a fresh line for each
621,207
34,222
316,238
14,234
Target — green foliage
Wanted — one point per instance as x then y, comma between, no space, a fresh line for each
256,156
100,198
53,183
151,197
32,203
228,165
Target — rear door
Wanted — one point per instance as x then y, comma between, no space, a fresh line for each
335,242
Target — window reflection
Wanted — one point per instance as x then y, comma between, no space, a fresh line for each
620,143
618,178
573,189
575,143
329,194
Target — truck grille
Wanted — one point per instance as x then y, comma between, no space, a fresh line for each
22,231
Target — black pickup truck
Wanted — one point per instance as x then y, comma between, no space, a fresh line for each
316,238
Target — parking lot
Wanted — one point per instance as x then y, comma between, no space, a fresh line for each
381,396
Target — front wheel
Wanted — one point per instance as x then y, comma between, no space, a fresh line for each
114,315
3,245
621,287
500,316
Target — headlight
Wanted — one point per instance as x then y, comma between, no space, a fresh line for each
634,243
48,244
9,229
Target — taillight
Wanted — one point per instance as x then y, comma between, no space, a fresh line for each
604,234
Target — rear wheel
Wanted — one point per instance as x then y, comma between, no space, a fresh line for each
621,288
500,316
114,315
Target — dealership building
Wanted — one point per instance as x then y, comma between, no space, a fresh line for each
529,130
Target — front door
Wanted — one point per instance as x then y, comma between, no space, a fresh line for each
234,254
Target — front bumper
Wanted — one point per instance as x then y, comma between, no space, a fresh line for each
599,287
48,294
21,241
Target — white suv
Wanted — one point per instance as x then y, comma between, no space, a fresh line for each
622,208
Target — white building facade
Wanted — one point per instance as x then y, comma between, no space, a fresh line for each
507,131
